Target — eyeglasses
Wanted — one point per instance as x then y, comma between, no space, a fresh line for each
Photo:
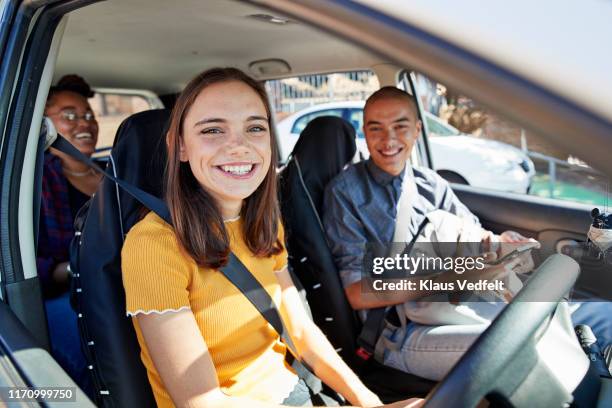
71,116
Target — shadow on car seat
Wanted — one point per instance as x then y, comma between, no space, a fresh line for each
108,338
323,149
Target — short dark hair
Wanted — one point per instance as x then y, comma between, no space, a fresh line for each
391,92
70,83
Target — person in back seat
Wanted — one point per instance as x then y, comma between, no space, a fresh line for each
360,207
202,341
66,187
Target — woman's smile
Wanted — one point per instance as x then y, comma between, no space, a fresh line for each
238,170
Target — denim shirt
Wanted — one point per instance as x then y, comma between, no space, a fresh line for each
360,206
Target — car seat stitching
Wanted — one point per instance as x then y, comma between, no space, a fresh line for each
118,197
314,208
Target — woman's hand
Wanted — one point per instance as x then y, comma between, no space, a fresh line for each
367,398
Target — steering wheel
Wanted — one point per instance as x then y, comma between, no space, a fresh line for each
504,355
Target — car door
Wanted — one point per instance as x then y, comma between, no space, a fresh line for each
560,221
26,39
560,227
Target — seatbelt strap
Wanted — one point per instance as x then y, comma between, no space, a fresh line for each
374,322
239,275
150,201
235,271
409,194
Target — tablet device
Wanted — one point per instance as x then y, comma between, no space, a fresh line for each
528,246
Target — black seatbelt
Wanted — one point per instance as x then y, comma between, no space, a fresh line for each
150,201
235,271
239,275
374,322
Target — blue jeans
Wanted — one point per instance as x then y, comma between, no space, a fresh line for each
431,351
301,396
65,342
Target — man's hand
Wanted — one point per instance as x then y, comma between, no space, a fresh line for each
514,237
489,272
509,241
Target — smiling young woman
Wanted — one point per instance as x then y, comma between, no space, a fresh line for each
202,341
222,165
67,185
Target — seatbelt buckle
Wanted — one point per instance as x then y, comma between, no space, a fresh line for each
363,353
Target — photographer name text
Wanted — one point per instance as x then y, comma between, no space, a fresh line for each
431,285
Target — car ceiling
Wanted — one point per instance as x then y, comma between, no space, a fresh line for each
159,45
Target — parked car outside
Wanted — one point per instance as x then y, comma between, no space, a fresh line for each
460,158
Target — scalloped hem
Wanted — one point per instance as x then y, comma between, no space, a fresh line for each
148,312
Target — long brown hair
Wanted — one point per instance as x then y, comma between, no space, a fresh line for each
197,219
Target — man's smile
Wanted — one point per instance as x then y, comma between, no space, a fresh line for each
390,152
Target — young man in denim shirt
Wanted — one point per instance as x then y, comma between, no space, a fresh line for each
360,207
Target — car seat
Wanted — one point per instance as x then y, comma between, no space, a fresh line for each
107,335
324,148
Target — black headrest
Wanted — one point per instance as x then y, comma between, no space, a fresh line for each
139,149
325,146
138,157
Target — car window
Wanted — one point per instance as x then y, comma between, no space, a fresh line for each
301,122
296,101
112,107
438,128
355,117
490,151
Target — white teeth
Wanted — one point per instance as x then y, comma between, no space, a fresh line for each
83,135
238,170
389,152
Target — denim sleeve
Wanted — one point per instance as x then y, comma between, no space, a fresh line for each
345,233
450,202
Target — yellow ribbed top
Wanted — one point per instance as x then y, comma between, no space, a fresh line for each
246,350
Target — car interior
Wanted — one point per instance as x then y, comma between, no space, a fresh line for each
158,46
